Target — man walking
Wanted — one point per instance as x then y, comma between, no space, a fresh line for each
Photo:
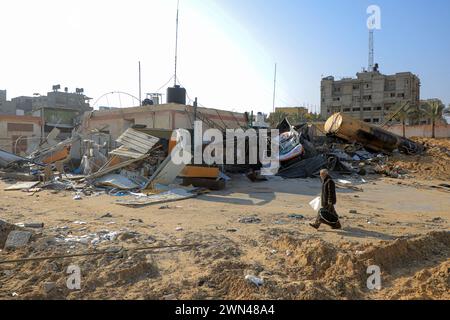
327,214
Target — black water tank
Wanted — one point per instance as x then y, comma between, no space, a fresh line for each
176,94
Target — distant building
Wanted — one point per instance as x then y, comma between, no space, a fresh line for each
293,110
19,134
6,107
62,100
55,99
371,96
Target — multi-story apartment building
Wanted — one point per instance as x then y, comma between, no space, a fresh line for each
371,96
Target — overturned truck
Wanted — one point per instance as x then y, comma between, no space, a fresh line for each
370,136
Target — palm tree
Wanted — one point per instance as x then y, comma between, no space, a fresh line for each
403,115
433,109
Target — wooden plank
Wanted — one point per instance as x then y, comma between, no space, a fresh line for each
200,172
19,176
57,156
22,186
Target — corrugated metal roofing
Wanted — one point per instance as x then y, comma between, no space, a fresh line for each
125,152
137,141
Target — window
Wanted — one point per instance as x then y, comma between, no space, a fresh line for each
367,120
376,120
356,109
378,108
337,99
401,95
368,109
367,98
356,99
392,95
24,127
347,109
390,85
356,87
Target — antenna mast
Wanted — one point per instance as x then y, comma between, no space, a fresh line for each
371,50
176,44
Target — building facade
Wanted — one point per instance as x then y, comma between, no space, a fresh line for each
19,134
25,105
6,107
371,96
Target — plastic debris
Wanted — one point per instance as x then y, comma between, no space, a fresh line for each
255,280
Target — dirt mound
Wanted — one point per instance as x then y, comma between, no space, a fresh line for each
313,269
293,268
406,253
432,164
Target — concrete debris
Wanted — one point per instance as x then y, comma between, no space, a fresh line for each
175,194
17,239
48,286
248,220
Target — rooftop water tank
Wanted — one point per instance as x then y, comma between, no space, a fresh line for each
176,94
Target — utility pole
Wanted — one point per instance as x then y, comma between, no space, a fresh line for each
140,86
176,44
274,88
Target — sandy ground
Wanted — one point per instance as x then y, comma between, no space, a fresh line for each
400,225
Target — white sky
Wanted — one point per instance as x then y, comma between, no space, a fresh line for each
97,44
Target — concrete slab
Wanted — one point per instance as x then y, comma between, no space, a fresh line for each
17,239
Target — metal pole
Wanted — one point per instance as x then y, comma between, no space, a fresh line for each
176,44
274,88
140,86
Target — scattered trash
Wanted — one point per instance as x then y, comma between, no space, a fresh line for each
296,216
108,215
77,197
255,280
168,196
179,229
353,211
315,204
32,225
249,220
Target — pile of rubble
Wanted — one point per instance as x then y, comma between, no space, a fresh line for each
140,168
